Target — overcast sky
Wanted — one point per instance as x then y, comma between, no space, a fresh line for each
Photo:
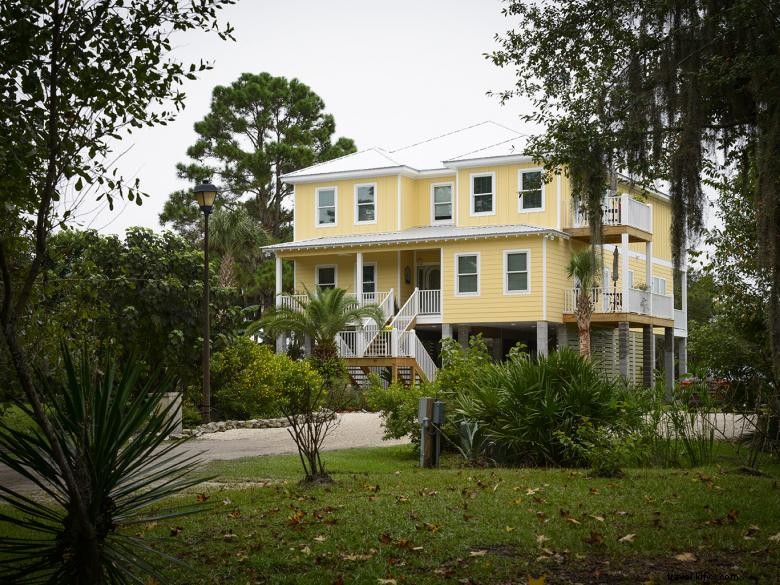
390,72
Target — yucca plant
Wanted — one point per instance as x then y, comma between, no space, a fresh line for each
111,429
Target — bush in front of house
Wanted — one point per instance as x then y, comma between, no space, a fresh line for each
534,410
249,380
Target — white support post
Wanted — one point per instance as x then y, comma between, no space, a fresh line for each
394,343
624,261
359,277
279,273
446,330
542,347
624,209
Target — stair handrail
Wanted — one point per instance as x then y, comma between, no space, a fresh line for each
414,348
407,314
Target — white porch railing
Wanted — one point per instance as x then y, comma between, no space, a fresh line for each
680,322
611,301
619,210
385,300
408,313
430,302
395,343
415,348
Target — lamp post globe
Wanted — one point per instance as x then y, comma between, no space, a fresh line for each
206,194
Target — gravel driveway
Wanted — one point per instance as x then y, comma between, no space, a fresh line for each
356,429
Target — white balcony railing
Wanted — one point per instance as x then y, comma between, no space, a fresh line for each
430,302
680,322
393,343
611,301
619,210
385,300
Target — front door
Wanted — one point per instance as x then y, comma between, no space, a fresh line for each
428,277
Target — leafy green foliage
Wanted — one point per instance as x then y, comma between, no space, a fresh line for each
283,123
522,404
250,381
461,365
398,405
112,429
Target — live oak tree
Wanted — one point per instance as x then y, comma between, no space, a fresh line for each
678,90
259,128
74,75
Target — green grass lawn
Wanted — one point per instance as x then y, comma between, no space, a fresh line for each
386,521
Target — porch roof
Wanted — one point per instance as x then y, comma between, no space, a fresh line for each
416,235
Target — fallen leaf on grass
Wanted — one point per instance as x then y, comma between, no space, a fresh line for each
477,553
226,502
627,538
751,532
598,518
235,514
429,526
775,538
386,581
229,537
595,538
176,530
509,528
401,499
385,538
593,491
371,488
541,539
200,498
531,491
355,557
686,557
320,538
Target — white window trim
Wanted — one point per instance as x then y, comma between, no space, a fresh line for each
376,277
659,279
376,207
335,207
527,253
520,191
473,176
450,221
457,274
317,274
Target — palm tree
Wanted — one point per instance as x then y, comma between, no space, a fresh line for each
237,239
321,315
583,267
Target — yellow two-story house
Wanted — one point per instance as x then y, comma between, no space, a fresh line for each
459,235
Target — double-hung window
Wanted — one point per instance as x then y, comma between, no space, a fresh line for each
531,197
483,194
441,203
516,272
326,206
365,203
467,274
325,277
659,286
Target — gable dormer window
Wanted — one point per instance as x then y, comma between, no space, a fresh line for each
326,206
365,203
483,194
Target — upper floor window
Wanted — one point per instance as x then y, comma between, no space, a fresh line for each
659,286
326,206
483,194
325,277
516,271
365,203
467,274
441,202
531,195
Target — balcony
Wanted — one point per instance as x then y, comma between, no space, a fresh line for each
643,307
620,214
385,300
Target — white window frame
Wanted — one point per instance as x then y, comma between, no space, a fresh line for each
376,207
450,221
335,274
656,290
473,176
457,275
335,207
520,191
376,278
631,279
505,270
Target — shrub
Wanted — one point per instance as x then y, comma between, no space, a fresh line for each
250,379
460,365
526,407
398,404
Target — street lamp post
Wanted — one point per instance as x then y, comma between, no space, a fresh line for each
205,194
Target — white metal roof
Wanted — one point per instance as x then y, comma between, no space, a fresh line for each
481,139
415,235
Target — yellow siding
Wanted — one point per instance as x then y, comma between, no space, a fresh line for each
345,271
492,305
558,255
506,189
386,206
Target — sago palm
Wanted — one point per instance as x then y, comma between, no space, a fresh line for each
320,315
583,267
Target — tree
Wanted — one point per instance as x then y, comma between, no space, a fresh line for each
259,128
236,239
73,76
321,315
659,89
583,267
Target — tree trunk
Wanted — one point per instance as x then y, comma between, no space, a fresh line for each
583,312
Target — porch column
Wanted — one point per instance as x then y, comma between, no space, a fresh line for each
359,277
648,356
279,271
624,268
446,330
682,355
541,338
562,335
623,333
669,361
463,335
649,272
